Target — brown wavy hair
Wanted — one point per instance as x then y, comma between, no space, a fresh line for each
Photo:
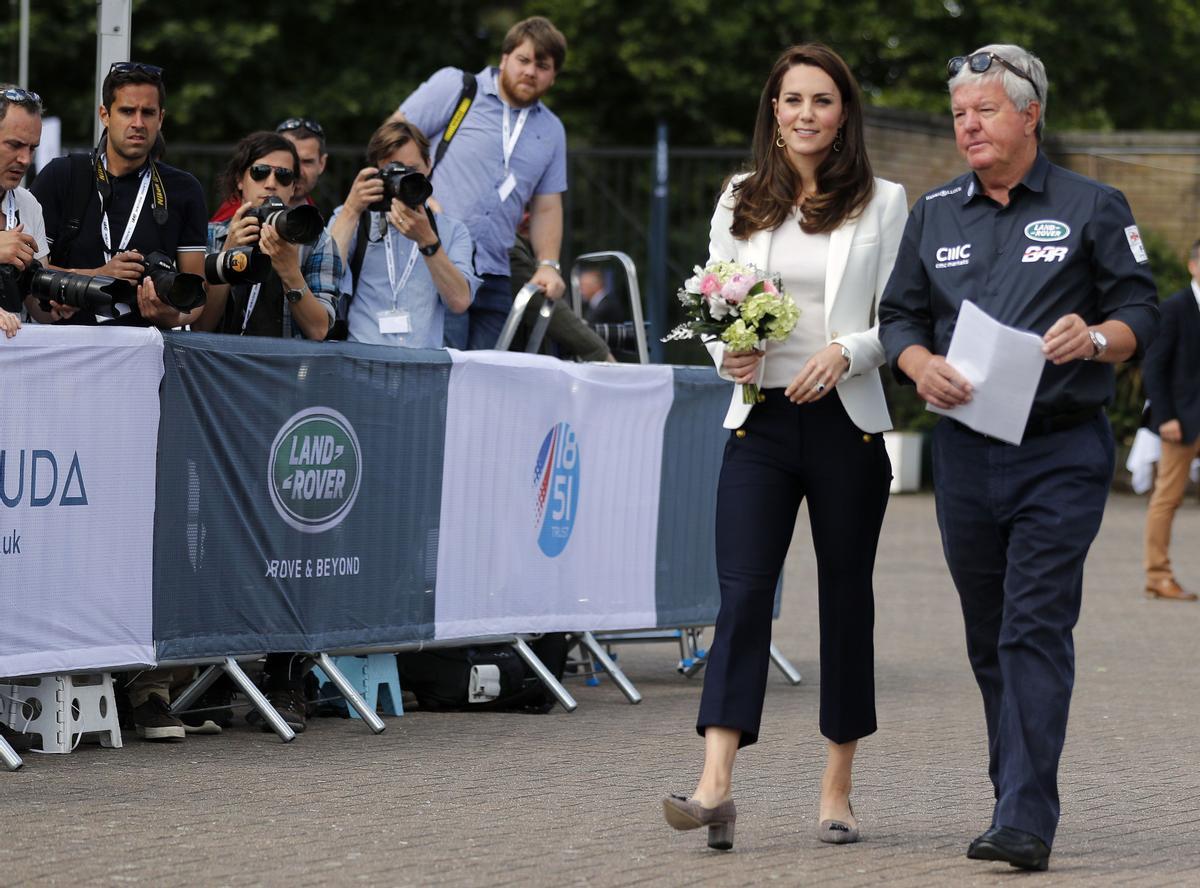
845,182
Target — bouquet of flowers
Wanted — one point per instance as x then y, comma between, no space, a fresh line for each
738,303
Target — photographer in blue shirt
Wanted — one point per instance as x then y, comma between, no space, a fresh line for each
409,264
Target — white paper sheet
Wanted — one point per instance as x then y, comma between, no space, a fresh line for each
1003,365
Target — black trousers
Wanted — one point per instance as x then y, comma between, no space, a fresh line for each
1017,523
783,454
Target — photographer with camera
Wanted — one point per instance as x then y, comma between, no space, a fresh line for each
123,213
107,214
506,151
274,271
24,237
409,262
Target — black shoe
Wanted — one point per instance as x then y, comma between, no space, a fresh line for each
288,702
153,721
212,712
1012,846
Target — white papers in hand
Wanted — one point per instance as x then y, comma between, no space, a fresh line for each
1003,365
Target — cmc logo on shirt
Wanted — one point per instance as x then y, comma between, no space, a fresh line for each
315,471
556,488
949,257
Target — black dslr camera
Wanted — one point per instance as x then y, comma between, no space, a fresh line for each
179,289
405,184
65,287
248,264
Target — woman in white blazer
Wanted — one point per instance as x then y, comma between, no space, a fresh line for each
812,212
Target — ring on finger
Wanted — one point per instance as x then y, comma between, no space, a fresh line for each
819,387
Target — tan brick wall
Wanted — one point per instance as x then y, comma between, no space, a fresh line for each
1159,173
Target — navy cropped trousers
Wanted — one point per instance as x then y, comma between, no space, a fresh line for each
786,453
1016,526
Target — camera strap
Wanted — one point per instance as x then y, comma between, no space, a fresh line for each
251,301
150,176
391,265
11,218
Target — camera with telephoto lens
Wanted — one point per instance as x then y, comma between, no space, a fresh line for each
237,265
619,337
296,225
179,289
404,183
65,287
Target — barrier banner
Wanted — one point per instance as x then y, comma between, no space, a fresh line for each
550,499
78,432
299,495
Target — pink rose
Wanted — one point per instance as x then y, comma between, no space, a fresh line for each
736,288
769,287
711,284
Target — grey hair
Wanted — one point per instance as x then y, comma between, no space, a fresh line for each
1019,90
31,107
1194,252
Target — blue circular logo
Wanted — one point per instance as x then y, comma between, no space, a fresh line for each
556,489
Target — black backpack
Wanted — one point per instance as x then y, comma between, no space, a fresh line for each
441,678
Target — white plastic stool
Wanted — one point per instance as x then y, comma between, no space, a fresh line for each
61,709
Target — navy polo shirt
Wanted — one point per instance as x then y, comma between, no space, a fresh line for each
1064,244
186,228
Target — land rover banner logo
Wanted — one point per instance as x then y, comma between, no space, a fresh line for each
315,470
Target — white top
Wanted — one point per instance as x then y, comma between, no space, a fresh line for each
800,260
30,213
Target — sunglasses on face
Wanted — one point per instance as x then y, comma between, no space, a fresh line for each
139,67
981,61
260,171
19,96
295,123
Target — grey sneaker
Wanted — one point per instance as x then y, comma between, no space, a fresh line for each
153,721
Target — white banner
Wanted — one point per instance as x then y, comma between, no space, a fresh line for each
78,438
549,516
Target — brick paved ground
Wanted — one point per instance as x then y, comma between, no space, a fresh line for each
563,799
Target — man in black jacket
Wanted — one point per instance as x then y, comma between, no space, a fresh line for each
1172,376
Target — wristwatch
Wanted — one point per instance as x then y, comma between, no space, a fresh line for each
431,249
293,296
1099,343
846,355
550,263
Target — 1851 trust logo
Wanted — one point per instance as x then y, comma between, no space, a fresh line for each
556,485
315,470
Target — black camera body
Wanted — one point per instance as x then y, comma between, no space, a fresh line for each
404,183
83,291
296,225
179,289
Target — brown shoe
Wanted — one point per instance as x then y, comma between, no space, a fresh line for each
682,813
1169,589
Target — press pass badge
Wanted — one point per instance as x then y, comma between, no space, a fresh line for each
394,320
1135,244
505,188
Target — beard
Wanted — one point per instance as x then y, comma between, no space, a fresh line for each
518,91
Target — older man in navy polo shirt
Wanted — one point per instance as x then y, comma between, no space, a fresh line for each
509,151
1046,250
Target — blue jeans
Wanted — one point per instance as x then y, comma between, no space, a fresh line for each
1016,526
487,314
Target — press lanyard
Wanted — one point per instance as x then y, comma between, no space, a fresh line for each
507,139
391,266
250,303
10,212
105,231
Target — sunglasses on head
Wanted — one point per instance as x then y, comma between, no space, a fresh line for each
260,171
295,123
138,67
981,61
19,96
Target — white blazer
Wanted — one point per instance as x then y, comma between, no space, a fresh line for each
861,254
